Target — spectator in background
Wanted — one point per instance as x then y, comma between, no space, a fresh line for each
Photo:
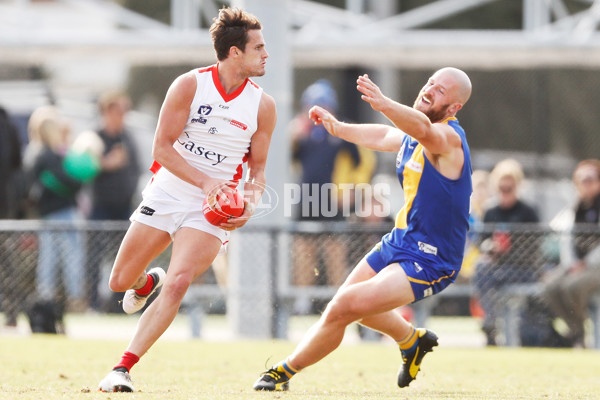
568,290
502,261
18,266
35,143
11,164
479,199
316,152
53,194
10,167
113,189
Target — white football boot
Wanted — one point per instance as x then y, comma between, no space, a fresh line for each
116,381
133,302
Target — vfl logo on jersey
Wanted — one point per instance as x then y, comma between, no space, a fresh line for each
203,111
427,248
239,124
399,156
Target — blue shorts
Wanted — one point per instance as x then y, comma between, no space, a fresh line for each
424,279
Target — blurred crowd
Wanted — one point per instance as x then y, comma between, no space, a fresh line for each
511,258
58,175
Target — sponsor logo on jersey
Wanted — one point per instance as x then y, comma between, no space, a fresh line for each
418,268
239,124
428,249
202,151
146,210
415,166
213,130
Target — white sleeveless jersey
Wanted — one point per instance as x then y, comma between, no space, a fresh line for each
217,135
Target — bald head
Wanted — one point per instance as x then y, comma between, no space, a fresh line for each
459,81
444,94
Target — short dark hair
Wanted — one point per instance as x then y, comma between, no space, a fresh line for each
231,28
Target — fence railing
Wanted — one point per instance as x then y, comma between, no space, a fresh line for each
275,271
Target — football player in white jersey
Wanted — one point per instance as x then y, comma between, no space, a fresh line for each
171,210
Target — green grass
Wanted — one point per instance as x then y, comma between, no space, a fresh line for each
57,367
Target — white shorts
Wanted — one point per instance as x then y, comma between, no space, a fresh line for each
162,211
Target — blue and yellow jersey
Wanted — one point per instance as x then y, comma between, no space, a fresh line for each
432,225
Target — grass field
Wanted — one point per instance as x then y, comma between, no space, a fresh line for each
59,367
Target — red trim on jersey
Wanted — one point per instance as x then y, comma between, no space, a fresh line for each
240,169
253,83
155,167
221,90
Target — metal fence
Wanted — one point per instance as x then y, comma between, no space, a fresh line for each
300,267
62,262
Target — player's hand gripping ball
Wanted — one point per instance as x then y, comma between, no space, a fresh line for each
231,209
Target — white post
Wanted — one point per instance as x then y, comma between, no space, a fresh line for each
251,302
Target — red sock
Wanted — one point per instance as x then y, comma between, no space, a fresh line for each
147,288
127,361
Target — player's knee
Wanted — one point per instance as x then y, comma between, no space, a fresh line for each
339,311
117,283
175,288
122,277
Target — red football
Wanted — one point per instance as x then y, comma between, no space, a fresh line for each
235,208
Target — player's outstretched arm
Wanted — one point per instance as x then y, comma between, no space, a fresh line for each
435,137
372,136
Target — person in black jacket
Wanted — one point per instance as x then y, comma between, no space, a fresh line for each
503,261
11,164
114,188
568,291
317,152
